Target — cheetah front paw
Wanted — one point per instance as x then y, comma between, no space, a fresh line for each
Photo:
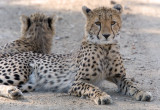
14,93
144,96
104,99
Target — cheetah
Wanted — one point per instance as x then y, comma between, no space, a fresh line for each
77,73
37,33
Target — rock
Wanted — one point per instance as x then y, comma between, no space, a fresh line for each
141,75
72,26
74,101
126,8
60,18
134,53
133,79
127,58
113,2
141,67
57,38
66,37
133,47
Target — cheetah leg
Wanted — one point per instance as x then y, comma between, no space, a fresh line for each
27,87
90,91
10,92
127,87
30,85
33,79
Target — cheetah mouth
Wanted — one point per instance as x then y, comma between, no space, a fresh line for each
111,41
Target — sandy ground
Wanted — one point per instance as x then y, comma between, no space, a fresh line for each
139,41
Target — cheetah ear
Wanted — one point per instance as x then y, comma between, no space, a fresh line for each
86,10
26,22
118,7
51,21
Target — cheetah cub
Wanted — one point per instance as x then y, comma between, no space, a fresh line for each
79,73
37,33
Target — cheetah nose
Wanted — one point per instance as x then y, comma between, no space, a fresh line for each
106,35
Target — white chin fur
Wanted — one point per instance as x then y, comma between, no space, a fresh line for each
95,40
111,42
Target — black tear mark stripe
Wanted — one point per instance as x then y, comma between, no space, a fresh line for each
112,28
99,31
113,31
99,28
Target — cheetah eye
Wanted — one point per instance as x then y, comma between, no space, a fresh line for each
98,23
113,22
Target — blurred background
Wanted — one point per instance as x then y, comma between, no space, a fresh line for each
70,21
139,41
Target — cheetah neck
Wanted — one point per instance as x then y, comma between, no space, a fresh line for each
105,47
39,44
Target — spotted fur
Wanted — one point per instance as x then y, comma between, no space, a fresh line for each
37,33
80,73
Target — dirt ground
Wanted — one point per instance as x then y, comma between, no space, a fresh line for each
139,41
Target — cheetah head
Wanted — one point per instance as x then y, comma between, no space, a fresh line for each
37,25
103,24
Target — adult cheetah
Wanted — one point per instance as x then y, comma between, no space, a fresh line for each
79,73
37,33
